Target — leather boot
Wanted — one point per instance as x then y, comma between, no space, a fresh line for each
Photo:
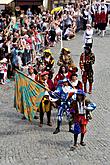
70,126
85,87
58,128
75,139
82,138
90,88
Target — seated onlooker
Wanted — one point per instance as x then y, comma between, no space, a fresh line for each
69,33
3,71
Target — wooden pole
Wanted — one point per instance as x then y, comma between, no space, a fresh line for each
61,40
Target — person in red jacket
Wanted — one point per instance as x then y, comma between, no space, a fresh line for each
62,73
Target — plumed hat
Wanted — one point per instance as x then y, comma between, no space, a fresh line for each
47,51
66,49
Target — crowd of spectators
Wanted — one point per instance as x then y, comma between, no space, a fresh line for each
26,35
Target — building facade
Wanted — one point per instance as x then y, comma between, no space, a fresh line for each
25,4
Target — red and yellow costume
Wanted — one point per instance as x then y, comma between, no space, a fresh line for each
86,62
46,105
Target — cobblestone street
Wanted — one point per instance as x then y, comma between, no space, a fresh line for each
22,143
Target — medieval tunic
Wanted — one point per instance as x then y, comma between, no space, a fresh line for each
46,105
86,62
48,61
79,115
48,64
65,60
62,92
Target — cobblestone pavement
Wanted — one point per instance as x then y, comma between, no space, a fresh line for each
22,143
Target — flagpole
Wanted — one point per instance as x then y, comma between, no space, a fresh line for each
61,41
62,34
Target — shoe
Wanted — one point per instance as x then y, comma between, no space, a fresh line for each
99,32
68,39
56,131
72,148
76,145
49,124
40,124
82,144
